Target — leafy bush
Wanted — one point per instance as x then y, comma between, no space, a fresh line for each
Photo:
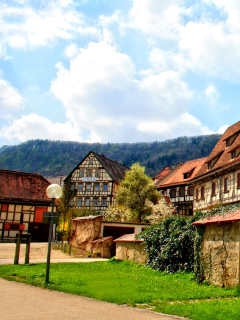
170,244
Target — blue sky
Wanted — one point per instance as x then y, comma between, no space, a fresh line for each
118,71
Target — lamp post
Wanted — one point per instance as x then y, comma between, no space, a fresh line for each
54,191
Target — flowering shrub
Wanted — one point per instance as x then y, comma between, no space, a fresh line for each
159,211
118,214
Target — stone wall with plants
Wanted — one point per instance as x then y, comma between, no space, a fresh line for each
220,254
211,247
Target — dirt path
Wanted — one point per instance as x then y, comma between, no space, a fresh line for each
38,254
37,251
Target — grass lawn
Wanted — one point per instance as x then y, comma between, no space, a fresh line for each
133,285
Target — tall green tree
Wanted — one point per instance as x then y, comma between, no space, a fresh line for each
135,190
64,204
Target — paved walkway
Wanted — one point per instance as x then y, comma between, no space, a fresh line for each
19,301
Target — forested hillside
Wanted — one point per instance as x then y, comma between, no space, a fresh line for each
55,158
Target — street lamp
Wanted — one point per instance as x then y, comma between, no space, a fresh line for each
54,191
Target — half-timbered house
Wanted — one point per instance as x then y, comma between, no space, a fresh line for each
218,181
96,179
23,200
176,185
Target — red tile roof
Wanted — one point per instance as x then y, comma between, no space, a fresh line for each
22,186
223,151
229,217
162,173
86,218
176,176
128,238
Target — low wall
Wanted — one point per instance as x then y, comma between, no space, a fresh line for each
220,254
127,248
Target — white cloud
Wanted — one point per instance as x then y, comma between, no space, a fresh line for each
184,125
202,37
158,18
222,129
10,99
103,97
208,48
26,26
164,60
71,51
33,126
212,94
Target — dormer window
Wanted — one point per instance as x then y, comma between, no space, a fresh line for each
212,162
235,152
231,139
187,174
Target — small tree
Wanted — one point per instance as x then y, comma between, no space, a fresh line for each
135,190
64,205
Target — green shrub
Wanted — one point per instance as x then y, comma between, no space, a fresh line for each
170,244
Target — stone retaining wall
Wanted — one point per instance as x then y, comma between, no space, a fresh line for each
220,254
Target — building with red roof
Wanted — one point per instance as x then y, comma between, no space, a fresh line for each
218,180
23,200
161,174
177,185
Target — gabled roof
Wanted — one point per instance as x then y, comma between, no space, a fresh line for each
178,175
23,187
223,151
115,169
162,173
219,218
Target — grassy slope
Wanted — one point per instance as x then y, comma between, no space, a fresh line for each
134,285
